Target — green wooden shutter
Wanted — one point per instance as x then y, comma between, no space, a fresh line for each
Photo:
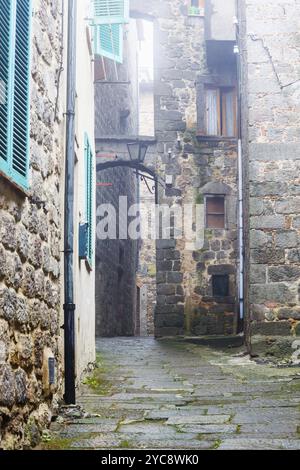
6,9
108,41
111,11
21,108
15,77
89,166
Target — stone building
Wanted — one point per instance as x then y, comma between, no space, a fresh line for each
210,93
116,111
195,67
269,37
125,284
32,160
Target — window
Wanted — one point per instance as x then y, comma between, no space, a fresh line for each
14,78
197,8
215,212
89,178
221,110
220,285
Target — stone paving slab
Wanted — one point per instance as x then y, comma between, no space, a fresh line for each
198,419
259,444
172,395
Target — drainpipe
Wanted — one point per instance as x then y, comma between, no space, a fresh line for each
240,180
69,306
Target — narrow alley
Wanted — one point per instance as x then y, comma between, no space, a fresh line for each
169,394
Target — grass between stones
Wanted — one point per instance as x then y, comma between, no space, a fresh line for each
97,381
55,442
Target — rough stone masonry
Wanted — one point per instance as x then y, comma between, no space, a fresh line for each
185,301
30,236
271,84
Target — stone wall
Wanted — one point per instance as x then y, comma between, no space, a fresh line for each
116,261
116,109
184,298
147,266
30,241
116,91
270,37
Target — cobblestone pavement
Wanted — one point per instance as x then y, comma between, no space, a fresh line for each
172,395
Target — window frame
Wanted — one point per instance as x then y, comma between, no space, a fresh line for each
210,196
89,198
221,111
9,166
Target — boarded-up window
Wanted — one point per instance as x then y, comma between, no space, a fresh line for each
215,212
221,111
220,285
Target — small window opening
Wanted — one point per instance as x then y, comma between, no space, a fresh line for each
215,212
221,111
220,285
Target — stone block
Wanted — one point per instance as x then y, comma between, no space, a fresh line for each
259,239
221,269
175,277
177,266
161,332
160,244
167,321
276,328
164,266
286,313
284,273
276,292
287,239
267,222
268,255
274,151
21,386
161,278
7,386
169,309
258,274
166,289
294,255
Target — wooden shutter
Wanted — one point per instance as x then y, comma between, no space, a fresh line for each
6,9
108,41
215,212
14,75
89,197
213,122
229,112
21,106
111,11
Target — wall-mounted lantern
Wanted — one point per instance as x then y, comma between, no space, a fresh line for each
137,151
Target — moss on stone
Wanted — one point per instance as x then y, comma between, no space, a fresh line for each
97,381
216,444
152,270
199,199
125,445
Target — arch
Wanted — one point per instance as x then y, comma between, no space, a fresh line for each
134,165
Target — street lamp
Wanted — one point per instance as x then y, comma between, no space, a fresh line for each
137,151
